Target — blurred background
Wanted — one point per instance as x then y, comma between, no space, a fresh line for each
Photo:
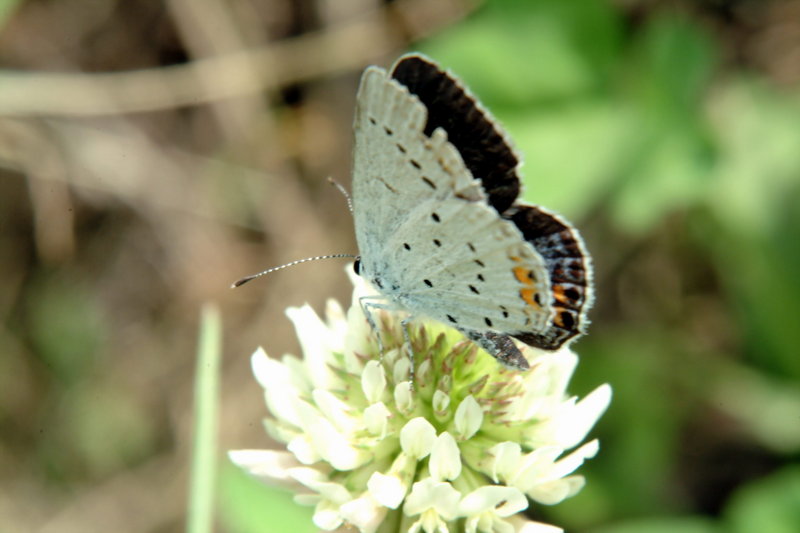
153,152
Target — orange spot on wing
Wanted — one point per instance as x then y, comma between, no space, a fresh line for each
529,296
521,274
524,275
557,319
558,294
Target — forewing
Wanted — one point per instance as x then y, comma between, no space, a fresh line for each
484,147
395,165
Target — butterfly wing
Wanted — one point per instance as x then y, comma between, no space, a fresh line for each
489,155
485,148
429,239
569,269
389,154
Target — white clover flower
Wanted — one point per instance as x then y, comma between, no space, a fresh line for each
465,447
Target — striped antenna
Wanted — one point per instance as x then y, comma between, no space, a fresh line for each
287,265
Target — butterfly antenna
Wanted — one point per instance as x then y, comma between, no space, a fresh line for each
287,265
343,191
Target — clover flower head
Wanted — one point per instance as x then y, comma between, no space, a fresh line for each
466,446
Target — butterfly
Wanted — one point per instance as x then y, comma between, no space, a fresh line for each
440,229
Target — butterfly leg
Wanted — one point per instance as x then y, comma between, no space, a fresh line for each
367,304
501,347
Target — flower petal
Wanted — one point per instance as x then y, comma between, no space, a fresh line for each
536,467
376,418
501,500
337,325
435,495
507,460
468,419
365,513
417,437
269,466
401,369
327,516
582,417
373,381
315,339
279,393
567,465
329,443
404,397
445,461
335,410
557,490
302,448
440,403
389,489
523,525
319,483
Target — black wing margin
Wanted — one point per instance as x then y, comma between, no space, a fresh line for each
483,147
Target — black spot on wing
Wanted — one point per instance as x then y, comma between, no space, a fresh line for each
482,147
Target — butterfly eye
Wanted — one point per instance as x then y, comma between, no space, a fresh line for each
357,266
